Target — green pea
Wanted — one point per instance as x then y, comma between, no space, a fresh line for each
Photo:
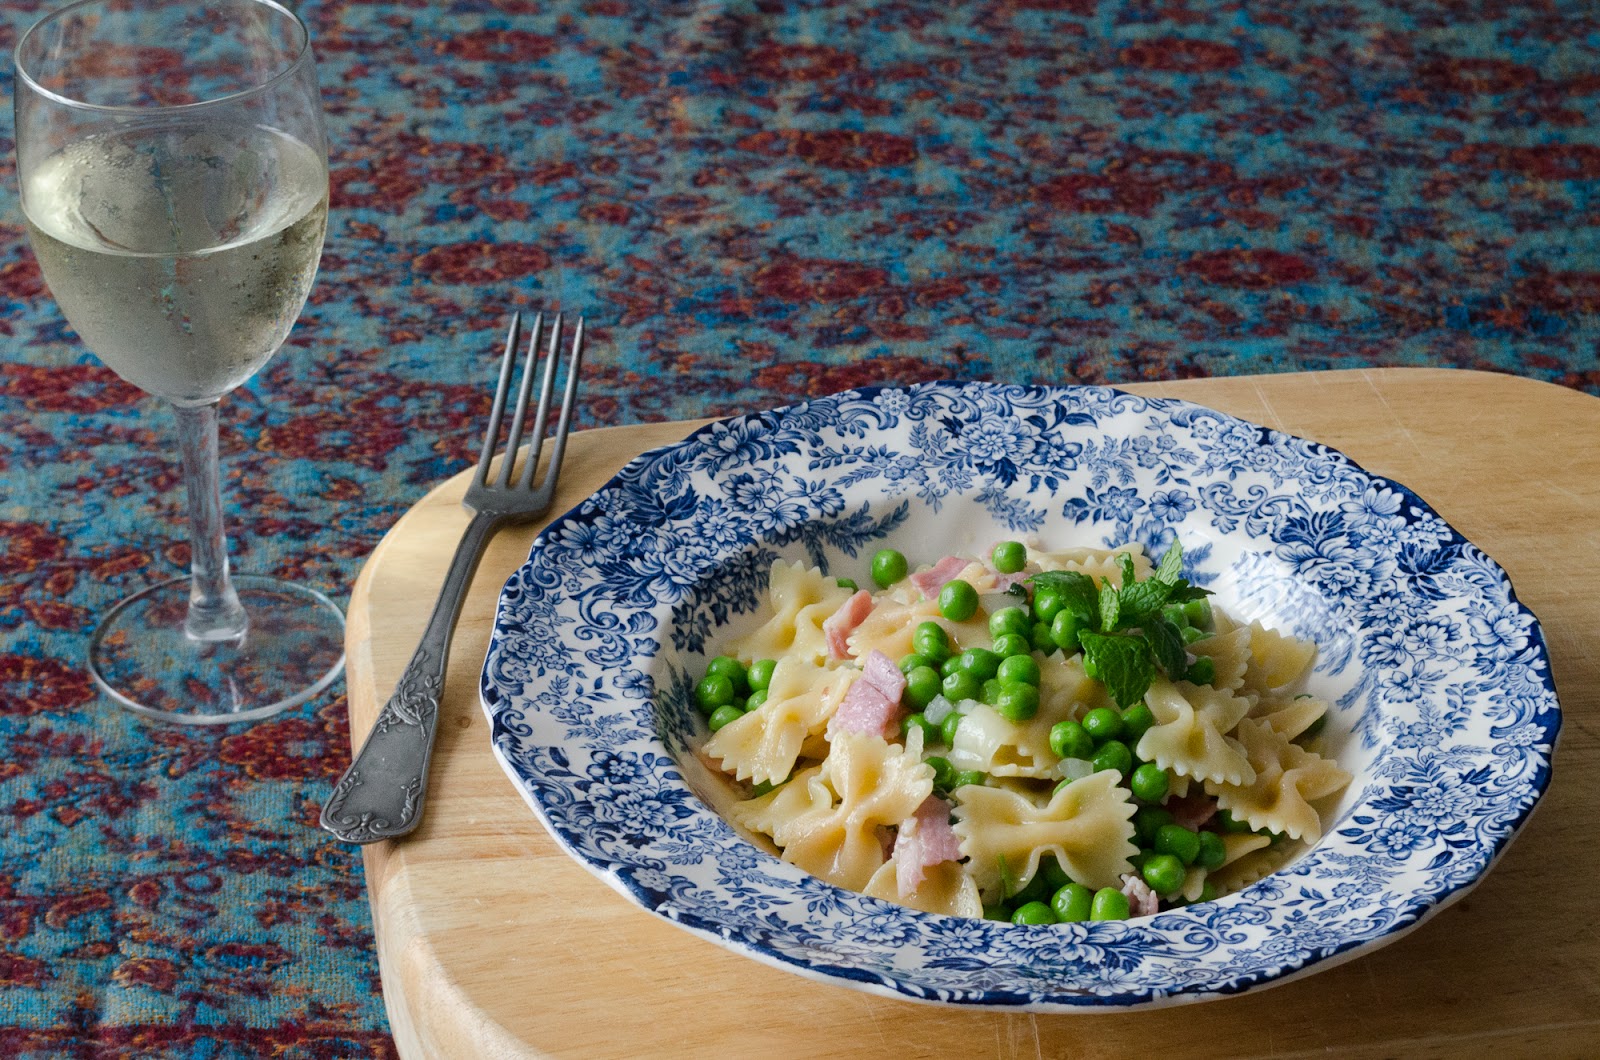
848,583
1072,903
759,675
1147,821
1199,613
990,693
1208,891
1139,857
1109,904
1033,913
1227,822
1019,669
1164,873
1011,645
930,731
998,911
922,684
1190,634
1136,721
980,663
1175,614
1149,783
950,666
942,771
1009,620
951,723
1202,671
1009,557
1036,890
713,691
731,668
1055,877
961,685
958,600
1065,629
1039,637
1046,605
966,777
1017,702
762,788
1113,754
1178,841
741,702
723,715
931,642
1212,852
1102,724
888,567
755,700
912,661
1069,740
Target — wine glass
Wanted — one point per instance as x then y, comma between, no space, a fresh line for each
173,172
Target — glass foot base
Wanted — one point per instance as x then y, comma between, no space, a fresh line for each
293,649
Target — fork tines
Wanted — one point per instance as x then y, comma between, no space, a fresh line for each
524,391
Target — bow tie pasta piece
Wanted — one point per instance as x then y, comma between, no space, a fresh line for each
802,598
1187,736
1101,564
990,744
826,819
1278,663
1290,717
1288,778
1087,825
946,888
765,744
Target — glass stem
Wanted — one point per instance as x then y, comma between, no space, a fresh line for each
215,613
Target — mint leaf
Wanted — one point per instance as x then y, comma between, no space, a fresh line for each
1170,570
1166,644
1123,664
1110,606
1008,883
1183,592
1076,590
1140,600
1129,574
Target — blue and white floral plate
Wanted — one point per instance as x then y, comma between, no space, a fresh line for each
1446,713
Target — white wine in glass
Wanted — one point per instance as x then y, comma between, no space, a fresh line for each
173,171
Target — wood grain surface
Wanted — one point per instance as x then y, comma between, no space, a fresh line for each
493,943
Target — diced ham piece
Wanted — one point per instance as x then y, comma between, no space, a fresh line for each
1142,901
865,709
930,581
1002,582
884,675
873,703
926,839
1193,810
838,626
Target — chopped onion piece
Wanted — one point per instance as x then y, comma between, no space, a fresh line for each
1075,769
937,710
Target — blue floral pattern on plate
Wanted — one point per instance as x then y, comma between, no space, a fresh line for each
1445,710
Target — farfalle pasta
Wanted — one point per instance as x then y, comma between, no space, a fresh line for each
1039,736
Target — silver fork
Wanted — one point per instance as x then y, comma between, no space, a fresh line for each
380,796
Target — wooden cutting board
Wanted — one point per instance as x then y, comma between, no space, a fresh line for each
493,943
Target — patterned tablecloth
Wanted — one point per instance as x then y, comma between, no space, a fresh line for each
754,202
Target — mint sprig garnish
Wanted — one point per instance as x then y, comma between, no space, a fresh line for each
1134,638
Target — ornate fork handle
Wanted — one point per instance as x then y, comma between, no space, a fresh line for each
381,795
